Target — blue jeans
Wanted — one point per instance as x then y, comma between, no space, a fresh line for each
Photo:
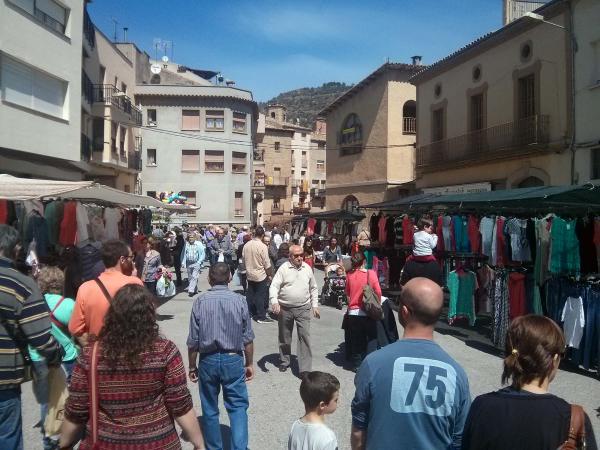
225,370
11,433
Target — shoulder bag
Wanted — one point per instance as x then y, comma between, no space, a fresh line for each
576,438
94,401
371,304
103,289
56,322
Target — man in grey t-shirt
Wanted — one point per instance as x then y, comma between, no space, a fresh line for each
411,394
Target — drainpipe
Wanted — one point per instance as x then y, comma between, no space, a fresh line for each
573,46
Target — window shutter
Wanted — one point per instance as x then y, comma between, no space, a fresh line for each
190,119
239,202
17,82
190,160
53,9
214,156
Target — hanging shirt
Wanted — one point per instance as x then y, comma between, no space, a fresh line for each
447,233
440,234
398,239
381,229
519,244
486,228
373,228
574,321
68,225
310,226
112,217
564,247
462,286
473,233
407,230
461,237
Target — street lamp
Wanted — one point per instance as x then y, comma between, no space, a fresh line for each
540,18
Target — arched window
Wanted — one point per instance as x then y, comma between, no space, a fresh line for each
409,117
350,137
350,204
531,182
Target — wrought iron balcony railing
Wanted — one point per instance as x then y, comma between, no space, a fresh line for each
301,208
134,161
110,95
497,141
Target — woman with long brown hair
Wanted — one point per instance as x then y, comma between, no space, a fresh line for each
525,415
140,384
309,252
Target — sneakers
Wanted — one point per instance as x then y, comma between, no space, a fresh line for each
265,320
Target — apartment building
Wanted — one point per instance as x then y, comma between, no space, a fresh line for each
586,31
40,88
289,168
496,113
110,137
370,138
197,139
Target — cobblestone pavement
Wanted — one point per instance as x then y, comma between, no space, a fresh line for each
274,399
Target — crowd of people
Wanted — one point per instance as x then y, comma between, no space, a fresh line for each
125,385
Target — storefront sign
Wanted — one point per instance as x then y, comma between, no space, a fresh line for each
459,189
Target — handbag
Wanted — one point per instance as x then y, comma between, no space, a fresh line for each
371,304
576,437
94,406
57,384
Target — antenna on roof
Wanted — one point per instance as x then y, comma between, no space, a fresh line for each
125,29
115,23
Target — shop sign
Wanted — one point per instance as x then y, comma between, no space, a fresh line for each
459,189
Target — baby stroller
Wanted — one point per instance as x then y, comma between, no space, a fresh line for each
334,288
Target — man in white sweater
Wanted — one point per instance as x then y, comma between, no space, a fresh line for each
294,298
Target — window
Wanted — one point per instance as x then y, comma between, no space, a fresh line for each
409,117
190,160
239,122
215,120
477,112
595,164
48,12
214,161
190,119
239,204
320,165
25,86
321,145
127,188
350,203
151,157
151,117
238,162
278,147
350,137
303,135
527,96
477,73
437,90
437,126
151,194
190,200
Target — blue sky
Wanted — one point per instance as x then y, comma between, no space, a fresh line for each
271,46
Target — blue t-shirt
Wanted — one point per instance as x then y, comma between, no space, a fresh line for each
411,395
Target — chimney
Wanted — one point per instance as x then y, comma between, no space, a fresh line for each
416,60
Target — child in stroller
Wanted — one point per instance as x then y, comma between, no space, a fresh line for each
334,288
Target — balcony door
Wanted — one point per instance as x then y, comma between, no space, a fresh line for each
477,138
526,125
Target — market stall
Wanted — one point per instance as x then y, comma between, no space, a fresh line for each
507,253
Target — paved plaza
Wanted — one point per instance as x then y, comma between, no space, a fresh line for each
274,399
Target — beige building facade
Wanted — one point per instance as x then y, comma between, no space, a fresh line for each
288,169
586,28
497,111
370,138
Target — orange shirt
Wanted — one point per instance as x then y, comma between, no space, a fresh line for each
91,305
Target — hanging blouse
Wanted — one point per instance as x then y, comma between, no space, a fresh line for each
564,253
462,286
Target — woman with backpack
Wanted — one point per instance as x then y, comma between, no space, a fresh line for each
360,329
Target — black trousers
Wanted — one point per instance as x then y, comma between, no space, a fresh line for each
177,265
257,295
361,333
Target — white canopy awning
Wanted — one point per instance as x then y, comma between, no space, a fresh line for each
13,188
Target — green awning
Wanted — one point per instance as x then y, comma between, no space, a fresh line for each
580,197
336,214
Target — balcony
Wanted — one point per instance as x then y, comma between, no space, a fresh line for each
138,144
301,208
134,161
409,125
125,111
276,181
86,148
276,209
89,32
509,139
258,180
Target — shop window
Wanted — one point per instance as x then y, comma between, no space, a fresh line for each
214,161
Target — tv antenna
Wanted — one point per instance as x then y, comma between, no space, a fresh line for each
115,24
